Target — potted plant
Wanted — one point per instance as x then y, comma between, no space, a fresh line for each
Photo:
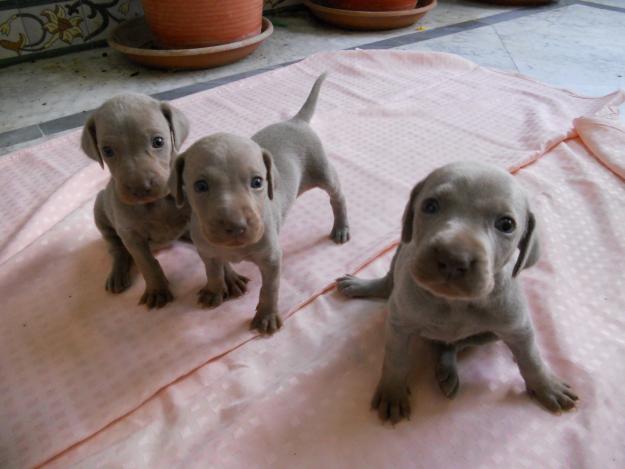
199,23
370,5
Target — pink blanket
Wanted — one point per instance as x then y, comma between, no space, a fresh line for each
87,377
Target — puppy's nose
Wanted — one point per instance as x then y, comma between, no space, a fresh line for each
453,265
142,188
234,228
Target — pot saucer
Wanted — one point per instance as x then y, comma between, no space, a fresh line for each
134,39
368,20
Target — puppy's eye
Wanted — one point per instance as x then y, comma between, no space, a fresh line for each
200,186
158,142
429,206
108,152
257,182
505,224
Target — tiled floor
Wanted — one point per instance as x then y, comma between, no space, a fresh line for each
571,44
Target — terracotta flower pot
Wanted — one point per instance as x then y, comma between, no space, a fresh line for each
199,23
370,5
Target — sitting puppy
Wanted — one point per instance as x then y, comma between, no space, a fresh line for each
240,191
453,281
137,138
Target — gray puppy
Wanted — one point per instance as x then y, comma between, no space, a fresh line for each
453,281
240,191
136,137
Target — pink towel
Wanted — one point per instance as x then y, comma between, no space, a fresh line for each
74,359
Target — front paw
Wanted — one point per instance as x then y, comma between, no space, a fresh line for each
266,322
156,297
340,234
212,297
118,281
447,377
236,285
392,402
554,394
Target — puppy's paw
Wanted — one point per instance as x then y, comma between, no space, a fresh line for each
211,298
266,322
391,402
118,281
236,285
156,298
447,377
340,234
352,287
554,394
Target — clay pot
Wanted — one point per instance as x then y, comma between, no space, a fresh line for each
370,5
199,23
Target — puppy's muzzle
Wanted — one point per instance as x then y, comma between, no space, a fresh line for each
454,266
234,229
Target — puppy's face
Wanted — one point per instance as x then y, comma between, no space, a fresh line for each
135,137
226,179
463,224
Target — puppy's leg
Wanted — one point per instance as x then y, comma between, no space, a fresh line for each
447,367
267,319
157,293
391,397
118,279
354,287
329,182
215,292
541,383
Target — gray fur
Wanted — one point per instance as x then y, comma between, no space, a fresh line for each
453,282
232,222
135,210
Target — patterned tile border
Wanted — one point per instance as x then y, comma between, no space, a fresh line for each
76,120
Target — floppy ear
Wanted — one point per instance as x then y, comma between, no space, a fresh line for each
178,124
89,142
176,183
528,246
268,160
408,218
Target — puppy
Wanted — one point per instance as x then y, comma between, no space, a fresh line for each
453,281
240,191
136,137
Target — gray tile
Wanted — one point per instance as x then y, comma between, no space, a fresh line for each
24,134
482,46
563,48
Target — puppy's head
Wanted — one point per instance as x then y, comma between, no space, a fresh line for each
462,225
136,137
226,179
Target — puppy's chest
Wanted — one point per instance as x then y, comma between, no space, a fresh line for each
444,322
163,221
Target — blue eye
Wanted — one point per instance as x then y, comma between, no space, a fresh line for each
505,224
200,186
257,182
108,152
430,206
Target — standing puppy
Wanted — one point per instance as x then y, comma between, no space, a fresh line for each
240,191
453,281
136,137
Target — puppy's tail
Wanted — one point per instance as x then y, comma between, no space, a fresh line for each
308,109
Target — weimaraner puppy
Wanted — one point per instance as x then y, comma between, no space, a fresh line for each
453,281
240,191
136,137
